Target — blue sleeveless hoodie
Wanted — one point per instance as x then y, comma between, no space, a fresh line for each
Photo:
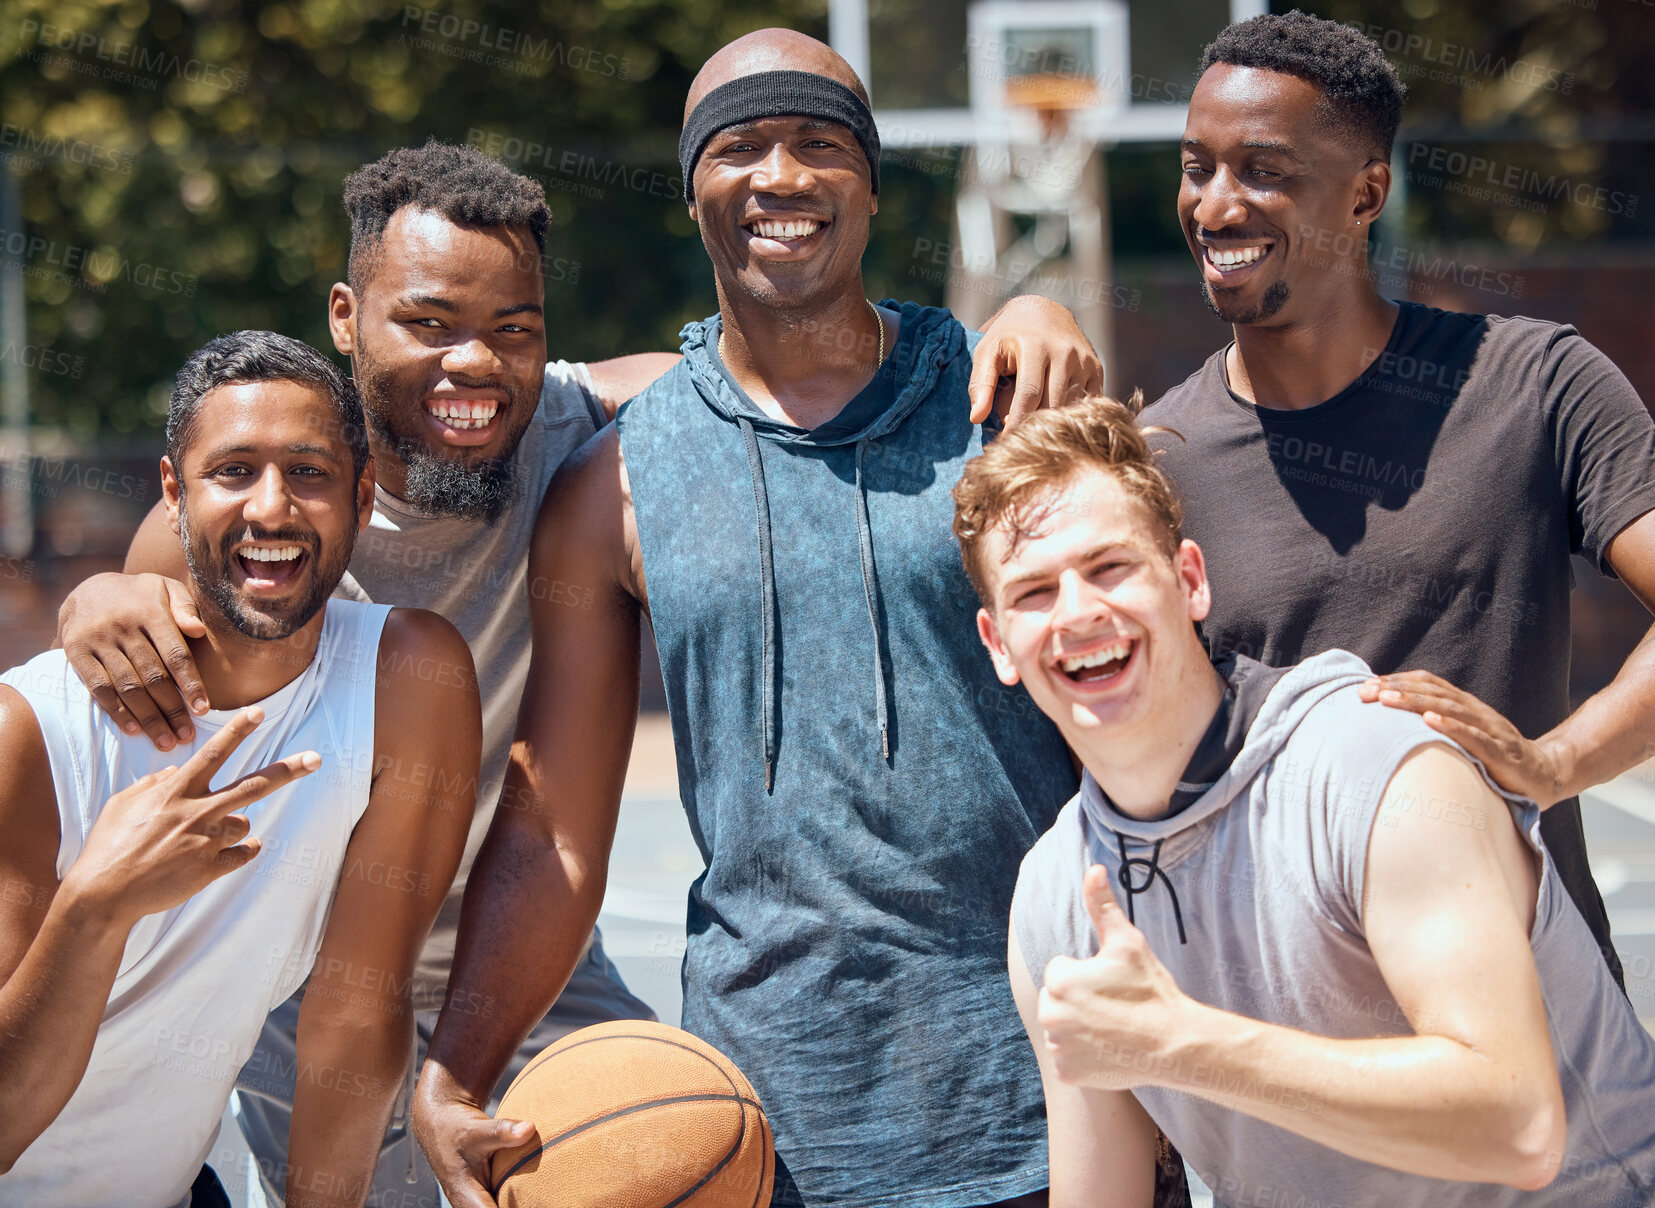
860,784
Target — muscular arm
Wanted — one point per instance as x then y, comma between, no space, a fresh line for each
1615,728
124,636
1101,1143
356,1025
1474,1095
58,958
538,882
619,378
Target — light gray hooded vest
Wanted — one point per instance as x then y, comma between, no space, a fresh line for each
1264,877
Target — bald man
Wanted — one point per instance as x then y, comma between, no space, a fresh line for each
861,786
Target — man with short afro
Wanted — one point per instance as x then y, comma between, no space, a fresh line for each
1360,89
460,183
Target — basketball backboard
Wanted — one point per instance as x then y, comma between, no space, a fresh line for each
939,70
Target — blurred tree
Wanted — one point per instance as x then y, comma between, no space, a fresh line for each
179,161
180,164
1528,123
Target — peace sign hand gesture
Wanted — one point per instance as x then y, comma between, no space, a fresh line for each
165,838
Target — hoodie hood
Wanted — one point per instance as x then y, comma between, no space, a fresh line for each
1171,838
929,338
1295,694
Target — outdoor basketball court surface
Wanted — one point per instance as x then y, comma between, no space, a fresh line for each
655,859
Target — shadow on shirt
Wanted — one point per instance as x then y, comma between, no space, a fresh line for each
1371,444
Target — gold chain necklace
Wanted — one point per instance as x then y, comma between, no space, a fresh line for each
877,322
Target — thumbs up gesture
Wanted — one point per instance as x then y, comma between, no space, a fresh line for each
1112,1020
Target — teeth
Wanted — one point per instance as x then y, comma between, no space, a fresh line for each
462,413
1098,657
282,553
786,230
1235,257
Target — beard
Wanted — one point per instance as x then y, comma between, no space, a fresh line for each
210,569
1275,297
438,484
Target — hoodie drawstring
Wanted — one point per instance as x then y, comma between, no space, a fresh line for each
767,587
1153,864
870,589
771,652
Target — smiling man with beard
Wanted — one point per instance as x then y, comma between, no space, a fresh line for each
446,429
147,927
860,786
443,319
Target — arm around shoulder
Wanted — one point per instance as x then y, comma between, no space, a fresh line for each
616,380
124,635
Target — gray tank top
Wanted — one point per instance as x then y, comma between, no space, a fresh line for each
477,576
1263,877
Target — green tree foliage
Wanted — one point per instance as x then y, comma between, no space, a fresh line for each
179,161
179,164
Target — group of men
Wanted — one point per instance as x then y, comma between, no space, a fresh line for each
388,629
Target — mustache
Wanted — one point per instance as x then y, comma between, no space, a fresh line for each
253,532
493,383
389,391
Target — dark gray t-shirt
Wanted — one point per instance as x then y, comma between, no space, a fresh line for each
1424,516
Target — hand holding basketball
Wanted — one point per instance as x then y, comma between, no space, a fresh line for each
1107,1017
634,1114
459,1138
166,837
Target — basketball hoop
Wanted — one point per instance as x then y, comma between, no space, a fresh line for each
1052,97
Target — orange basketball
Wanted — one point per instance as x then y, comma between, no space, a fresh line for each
634,1115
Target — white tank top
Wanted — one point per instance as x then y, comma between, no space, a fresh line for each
197,981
